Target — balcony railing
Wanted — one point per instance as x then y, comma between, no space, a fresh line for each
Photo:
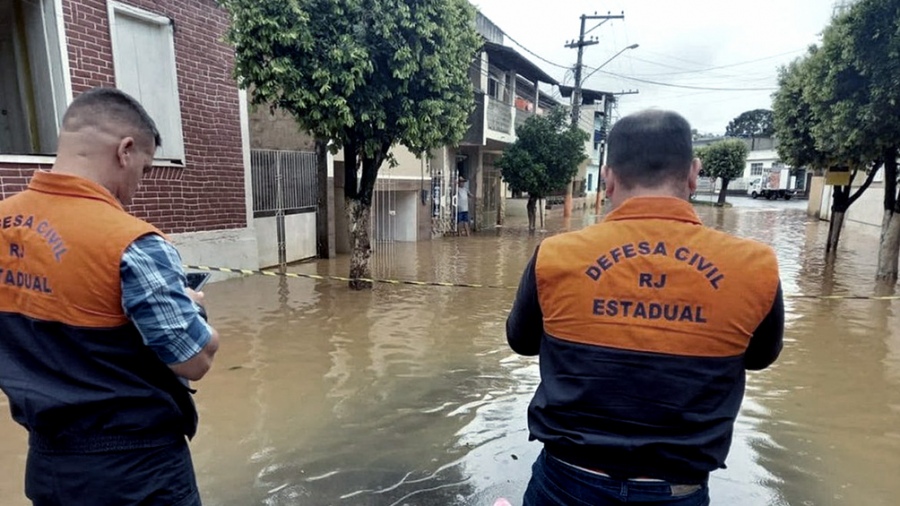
499,116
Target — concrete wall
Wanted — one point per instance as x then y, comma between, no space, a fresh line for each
398,220
763,156
235,248
277,131
300,238
868,210
408,165
816,190
825,205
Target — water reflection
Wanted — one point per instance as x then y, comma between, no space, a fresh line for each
408,395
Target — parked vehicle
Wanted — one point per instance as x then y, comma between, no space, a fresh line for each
777,184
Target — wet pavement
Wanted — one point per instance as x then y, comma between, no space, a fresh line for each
410,396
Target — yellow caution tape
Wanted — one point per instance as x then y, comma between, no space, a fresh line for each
319,277
341,278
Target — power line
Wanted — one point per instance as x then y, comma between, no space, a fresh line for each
687,87
719,67
532,53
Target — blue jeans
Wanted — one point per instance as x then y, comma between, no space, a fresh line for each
555,483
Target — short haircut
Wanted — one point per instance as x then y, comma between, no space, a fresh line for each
651,148
111,108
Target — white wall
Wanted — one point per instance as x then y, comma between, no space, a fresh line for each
825,205
763,156
234,248
594,173
300,238
868,210
408,166
401,225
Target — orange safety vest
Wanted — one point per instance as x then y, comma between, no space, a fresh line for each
647,316
76,370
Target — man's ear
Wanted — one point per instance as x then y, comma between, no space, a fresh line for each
610,178
696,167
125,151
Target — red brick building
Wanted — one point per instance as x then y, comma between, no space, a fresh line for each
170,55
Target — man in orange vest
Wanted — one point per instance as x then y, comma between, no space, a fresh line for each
99,335
644,324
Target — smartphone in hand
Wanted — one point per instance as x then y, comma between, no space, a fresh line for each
196,280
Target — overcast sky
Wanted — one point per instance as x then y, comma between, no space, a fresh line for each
681,43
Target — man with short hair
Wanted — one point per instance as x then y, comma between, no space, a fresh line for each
644,324
99,335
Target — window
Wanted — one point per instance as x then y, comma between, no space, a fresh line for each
498,86
756,169
33,95
493,88
144,59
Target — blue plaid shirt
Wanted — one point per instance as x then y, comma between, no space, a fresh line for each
154,298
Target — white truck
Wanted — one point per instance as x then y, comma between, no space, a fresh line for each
775,183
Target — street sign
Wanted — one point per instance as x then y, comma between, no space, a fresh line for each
838,176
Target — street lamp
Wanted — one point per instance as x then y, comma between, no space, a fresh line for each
633,46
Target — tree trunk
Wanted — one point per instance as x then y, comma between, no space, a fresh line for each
531,207
840,201
358,192
359,217
722,193
889,247
834,232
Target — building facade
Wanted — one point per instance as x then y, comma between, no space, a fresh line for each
168,54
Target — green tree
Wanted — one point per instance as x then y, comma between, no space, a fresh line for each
365,74
544,158
795,119
824,113
871,42
725,160
751,125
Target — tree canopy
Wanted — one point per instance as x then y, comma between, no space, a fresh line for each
364,74
725,159
836,108
755,123
545,156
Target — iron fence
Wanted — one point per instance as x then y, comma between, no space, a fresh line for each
296,173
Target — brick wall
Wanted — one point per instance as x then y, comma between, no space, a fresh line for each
207,194
14,178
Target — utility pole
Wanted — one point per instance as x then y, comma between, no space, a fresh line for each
608,102
576,93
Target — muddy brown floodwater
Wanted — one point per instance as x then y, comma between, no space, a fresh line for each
410,396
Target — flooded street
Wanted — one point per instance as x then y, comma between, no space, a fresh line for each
410,395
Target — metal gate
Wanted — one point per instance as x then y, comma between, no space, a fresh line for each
284,183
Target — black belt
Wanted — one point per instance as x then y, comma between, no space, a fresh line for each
99,443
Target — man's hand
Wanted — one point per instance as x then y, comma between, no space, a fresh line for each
197,297
200,299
